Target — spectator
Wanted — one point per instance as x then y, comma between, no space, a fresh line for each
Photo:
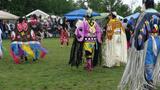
4,30
8,28
1,25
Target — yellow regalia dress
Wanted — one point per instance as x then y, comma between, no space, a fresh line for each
115,46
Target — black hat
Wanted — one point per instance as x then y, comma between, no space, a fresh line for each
20,20
148,3
144,1
34,16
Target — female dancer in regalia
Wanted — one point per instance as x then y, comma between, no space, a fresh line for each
115,48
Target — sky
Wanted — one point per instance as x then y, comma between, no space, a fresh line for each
134,3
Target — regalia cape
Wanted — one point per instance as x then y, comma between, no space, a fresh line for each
134,74
76,54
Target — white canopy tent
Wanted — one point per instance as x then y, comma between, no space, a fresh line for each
7,16
38,13
53,16
104,15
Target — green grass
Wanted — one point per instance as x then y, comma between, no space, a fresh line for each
54,73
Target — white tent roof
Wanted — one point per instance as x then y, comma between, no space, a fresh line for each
53,16
7,15
38,13
104,15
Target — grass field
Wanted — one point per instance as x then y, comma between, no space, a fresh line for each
54,73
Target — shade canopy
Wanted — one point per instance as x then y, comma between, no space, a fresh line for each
104,15
38,13
78,14
135,16
7,15
74,17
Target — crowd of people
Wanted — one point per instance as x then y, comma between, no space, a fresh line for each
50,26
6,28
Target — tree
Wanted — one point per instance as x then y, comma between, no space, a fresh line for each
22,7
118,6
138,9
60,7
123,10
158,6
107,6
97,5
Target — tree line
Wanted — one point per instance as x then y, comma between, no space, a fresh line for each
139,8
60,7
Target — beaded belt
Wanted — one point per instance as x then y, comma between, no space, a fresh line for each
117,31
91,39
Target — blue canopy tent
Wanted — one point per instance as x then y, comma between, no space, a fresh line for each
135,16
74,17
78,14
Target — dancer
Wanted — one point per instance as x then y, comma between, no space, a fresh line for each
115,48
143,68
87,39
35,26
24,43
64,34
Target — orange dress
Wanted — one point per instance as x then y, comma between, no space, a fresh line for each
112,26
115,47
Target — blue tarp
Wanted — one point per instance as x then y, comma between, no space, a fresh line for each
135,16
78,14
74,17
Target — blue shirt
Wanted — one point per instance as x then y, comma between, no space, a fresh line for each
150,57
